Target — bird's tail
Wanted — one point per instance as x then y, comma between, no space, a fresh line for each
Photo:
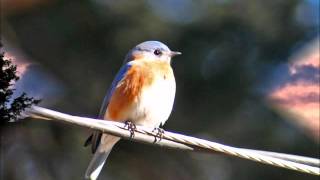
100,156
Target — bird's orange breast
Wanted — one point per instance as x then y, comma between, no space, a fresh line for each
128,90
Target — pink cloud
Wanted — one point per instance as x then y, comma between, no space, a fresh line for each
34,80
22,66
299,96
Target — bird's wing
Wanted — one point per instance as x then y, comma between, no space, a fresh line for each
95,138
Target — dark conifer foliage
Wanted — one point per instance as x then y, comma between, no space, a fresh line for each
10,109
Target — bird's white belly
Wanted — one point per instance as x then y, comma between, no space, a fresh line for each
155,103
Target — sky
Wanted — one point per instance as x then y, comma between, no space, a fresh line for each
296,93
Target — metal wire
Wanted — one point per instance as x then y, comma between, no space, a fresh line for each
183,142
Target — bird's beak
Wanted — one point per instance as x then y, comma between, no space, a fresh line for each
174,53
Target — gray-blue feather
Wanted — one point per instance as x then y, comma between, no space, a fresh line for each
122,72
152,45
95,138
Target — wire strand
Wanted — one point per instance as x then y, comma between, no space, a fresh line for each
182,142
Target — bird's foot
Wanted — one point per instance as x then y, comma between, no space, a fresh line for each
159,134
131,127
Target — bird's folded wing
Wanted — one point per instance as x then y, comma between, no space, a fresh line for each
94,139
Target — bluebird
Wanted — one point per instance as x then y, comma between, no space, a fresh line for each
142,93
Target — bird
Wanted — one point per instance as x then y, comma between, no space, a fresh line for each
141,93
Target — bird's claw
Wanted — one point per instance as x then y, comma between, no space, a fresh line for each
159,135
131,127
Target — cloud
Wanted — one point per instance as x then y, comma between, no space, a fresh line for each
39,84
21,64
298,94
34,80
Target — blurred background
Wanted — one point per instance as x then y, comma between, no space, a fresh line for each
248,77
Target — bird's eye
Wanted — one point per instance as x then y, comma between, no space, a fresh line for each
157,52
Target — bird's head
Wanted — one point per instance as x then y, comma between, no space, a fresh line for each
151,51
